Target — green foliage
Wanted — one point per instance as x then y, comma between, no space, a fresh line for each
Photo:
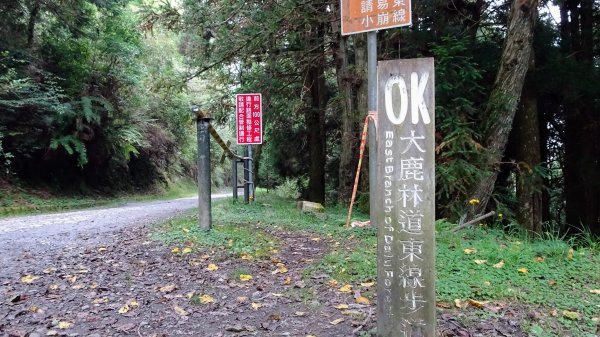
459,151
288,189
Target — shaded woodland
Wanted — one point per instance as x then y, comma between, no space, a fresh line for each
95,94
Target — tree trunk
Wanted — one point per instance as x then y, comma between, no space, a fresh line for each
582,130
528,156
347,82
33,16
315,113
506,92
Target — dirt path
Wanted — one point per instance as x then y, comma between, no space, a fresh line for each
48,232
85,290
115,281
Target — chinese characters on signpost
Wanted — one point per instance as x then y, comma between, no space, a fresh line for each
368,15
248,111
406,191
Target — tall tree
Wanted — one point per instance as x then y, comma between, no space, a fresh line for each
506,92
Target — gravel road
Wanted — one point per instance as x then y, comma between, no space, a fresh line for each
40,233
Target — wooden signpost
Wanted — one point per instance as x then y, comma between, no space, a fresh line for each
405,199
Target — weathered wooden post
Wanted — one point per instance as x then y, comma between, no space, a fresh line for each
204,188
406,199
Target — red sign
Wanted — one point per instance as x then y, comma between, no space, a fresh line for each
248,111
367,15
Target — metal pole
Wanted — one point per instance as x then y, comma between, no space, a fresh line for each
246,178
250,174
234,176
204,206
372,106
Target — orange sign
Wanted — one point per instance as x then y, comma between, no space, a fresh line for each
367,15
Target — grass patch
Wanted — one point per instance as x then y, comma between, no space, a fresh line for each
546,273
232,237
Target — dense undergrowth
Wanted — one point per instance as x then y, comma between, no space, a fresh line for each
546,274
18,199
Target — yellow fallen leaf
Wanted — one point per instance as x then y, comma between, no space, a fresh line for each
133,303
102,249
281,269
175,250
256,306
205,299
28,279
499,264
64,325
470,251
185,230
570,254
367,284
362,300
311,336
460,304
523,270
212,267
595,291
34,309
83,271
53,287
316,239
346,289
78,286
287,281
245,277
572,315
71,278
242,299
277,294
49,270
333,283
538,259
477,304
180,311
168,288
124,309
187,250
444,305
480,261
337,321
100,300
93,286
245,256
341,306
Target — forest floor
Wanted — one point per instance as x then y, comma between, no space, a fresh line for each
269,270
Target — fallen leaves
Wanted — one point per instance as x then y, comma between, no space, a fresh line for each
337,321
480,261
346,288
523,270
28,279
205,299
470,251
362,300
341,306
124,309
572,315
168,288
180,311
212,267
256,306
499,264
245,277
570,254
595,291
64,325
